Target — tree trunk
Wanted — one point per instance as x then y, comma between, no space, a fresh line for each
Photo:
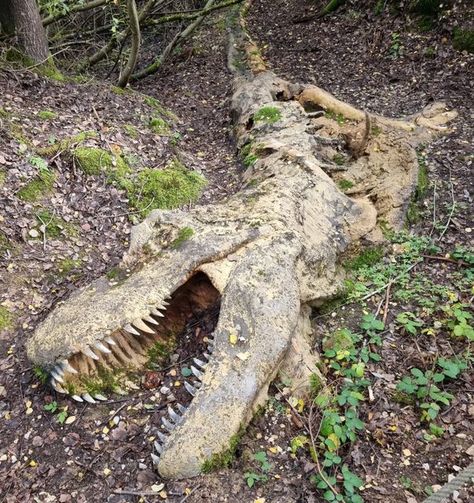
29,29
7,24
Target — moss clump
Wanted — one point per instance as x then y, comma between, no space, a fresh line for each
345,184
4,114
267,114
66,265
54,226
131,130
166,189
6,318
118,90
159,353
223,459
159,126
183,235
47,69
463,40
154,103
366,258
37,188
95,160
66,143
47,115
3,176
339,340
338,159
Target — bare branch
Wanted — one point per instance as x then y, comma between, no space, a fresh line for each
75,8
133,56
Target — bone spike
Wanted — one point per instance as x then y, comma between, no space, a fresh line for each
140,324
131,330
207,356
77,398
155,458
158,447
59,369
155,312
100,397
56,376
88,352
169,426
88,398
162,436
190,389
68,367
150,320
110,341
196,372
163,304
102,348
199,362
175,417
57,386
181,408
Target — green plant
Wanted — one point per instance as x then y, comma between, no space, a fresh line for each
344,184
41,374
159,126
458,320
409,322
339,159
61,414
423,385
463,40
396,47
264,468
267,114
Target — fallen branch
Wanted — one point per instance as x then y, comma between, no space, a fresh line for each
133,56
177,39
75,8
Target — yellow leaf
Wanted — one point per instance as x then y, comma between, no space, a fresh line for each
259,500
33,463
70,419
335,440
233,339
107,471
273,450
105,430
163,495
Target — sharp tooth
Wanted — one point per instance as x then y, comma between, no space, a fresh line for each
175,417
163,304
58,369
102,348
56,376
181,408
110,341
143,326
196,372
155,312
169,426
77,398
68,367
190,389
199,362
57,387
162,436
207,356
100,397
88,398
155,458
158,447
88,352
150,320
131,330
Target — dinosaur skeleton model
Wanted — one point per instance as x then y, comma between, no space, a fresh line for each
262,258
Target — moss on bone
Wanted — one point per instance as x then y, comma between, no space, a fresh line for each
224,458
183,235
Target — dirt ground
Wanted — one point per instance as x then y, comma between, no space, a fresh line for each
102,453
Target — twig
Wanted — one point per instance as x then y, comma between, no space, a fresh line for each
135,493
190,492
446,259
453,206
434,209
385,309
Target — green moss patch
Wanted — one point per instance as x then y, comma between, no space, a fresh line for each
155,104
66,143
95,160
165,188
6,318
37,188
159,126
223,459
267,114
463,40
47,115
366,258
67,265
344,184
54,226
183,235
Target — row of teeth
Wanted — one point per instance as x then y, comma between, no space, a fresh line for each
57,373
174,418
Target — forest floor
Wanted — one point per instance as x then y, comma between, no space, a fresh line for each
61,227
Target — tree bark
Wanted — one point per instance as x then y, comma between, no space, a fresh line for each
29,29
7,24
135,29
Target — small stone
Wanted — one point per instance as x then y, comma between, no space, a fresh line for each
470,451
33,233
37,441
142,466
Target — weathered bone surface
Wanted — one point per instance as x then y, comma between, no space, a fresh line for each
266,254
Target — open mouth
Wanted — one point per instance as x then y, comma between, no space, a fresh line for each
144,343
